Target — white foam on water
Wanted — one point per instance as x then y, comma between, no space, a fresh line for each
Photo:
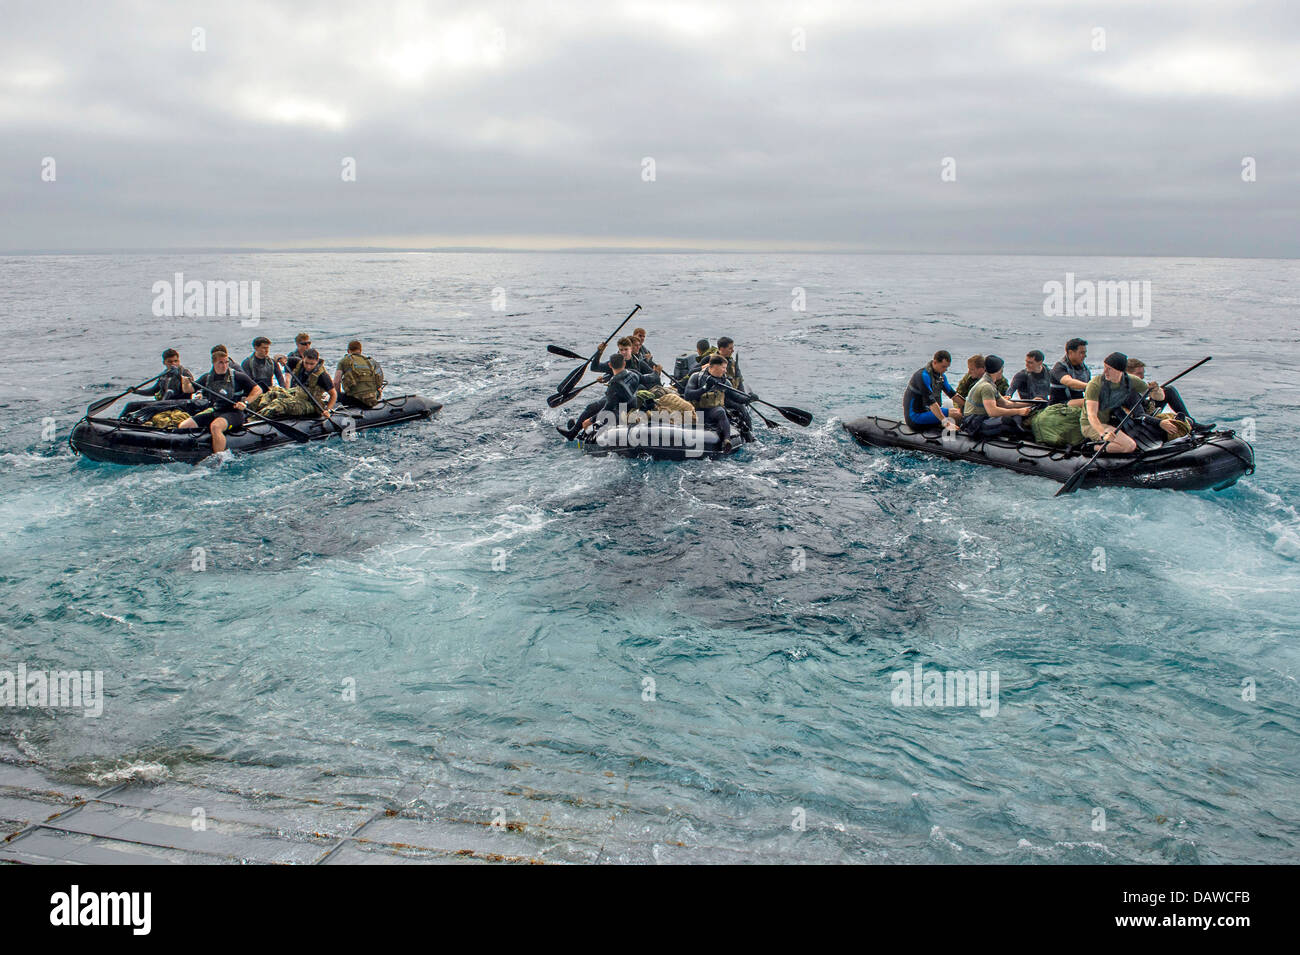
144,772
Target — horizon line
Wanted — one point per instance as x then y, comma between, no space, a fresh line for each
617,250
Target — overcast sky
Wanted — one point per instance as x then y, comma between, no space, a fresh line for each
526,125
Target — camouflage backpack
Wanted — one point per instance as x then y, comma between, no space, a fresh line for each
362,379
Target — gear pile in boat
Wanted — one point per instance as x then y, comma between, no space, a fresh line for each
702,410
265,402
1115,427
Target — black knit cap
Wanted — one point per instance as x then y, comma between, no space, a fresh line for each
992,363
1117,360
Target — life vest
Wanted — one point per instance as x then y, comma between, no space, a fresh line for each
224,386
169,385
1060,393
261,370
1118,396
310,381
713,398
361,379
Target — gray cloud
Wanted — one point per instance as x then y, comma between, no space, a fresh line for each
525,125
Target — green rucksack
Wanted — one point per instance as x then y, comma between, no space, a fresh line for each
1058,426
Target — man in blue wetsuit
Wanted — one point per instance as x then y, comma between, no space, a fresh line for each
923,399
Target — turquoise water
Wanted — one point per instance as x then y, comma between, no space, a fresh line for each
769,597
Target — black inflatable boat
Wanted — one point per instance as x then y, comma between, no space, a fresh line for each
127,441
661,441
1195,463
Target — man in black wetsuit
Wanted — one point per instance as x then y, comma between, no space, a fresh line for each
177,381
261,367
727,349
923,399
303,342
1070,376
1032,381
1172,399
620,395
626,347
233,388
704,389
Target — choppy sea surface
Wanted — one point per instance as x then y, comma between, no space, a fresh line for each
709,646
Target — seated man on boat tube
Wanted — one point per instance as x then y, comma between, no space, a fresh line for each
727,349
308,374
620,396
176,386
630,361
974,372
687,365
261,367
233,388
988,414
639,351
1108,397
302,342
923,399
1034,381
1182,421
1070,375
361,378
704,389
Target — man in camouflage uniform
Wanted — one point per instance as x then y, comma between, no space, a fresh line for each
361,378
308,373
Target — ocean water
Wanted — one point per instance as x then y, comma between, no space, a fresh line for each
696,656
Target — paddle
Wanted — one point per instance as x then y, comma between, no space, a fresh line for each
105,402
564,397
297,381
797,415
1077,477
766,420
289,431
564,352
578,372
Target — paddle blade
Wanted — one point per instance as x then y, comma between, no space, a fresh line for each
572,379
564,352
288,430
797,415
562,398
1070,486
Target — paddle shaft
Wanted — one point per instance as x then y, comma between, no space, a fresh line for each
564,397
280,426
578,372
105,402
790,413
1181,373
1077,477
298,381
